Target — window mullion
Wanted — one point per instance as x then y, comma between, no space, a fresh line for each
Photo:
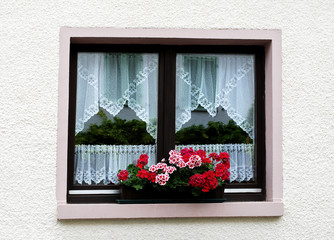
167,103
161,112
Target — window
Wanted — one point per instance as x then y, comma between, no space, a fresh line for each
121,84
166,85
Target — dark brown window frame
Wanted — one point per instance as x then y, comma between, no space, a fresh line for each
166,94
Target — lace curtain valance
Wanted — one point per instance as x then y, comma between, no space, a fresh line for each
111,80
214,81
100,163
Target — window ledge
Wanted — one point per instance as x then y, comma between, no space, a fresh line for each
228,209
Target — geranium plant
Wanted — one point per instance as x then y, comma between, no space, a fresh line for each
184,169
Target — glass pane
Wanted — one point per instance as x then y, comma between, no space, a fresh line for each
215,108
116,114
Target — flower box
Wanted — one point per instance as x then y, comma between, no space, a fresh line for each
130,195
187,176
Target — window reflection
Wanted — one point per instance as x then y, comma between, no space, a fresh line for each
215,108
116,114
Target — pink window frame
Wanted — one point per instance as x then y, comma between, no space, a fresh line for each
270,39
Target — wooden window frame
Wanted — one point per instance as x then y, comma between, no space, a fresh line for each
166,110
264,40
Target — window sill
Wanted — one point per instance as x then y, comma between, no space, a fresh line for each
228,209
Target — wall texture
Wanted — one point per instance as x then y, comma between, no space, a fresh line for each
29,45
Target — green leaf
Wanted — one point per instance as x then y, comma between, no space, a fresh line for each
137,187
196,191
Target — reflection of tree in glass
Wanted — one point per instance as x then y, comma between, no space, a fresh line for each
118,131
115,131
214,133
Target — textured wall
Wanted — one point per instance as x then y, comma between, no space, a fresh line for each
29,45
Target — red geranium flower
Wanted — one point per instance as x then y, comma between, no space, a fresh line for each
143,173
123,175
144,157
210,181
201,153
142,161
206,160
151,176
214,156
186,157
222,171
224,156
196,180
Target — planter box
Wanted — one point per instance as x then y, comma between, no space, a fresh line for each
150,195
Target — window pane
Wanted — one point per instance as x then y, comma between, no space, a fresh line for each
215,108
116,114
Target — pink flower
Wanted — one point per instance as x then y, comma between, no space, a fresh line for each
194,161
174,159
174,152
191,164
198,164
170,169
162,183
162,166
181,164
153,168
195,158
162,178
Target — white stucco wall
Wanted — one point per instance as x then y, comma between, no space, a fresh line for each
29,45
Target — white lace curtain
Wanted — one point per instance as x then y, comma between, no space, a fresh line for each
111,80
99,164
214,81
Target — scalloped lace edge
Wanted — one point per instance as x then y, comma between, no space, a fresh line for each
220,100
